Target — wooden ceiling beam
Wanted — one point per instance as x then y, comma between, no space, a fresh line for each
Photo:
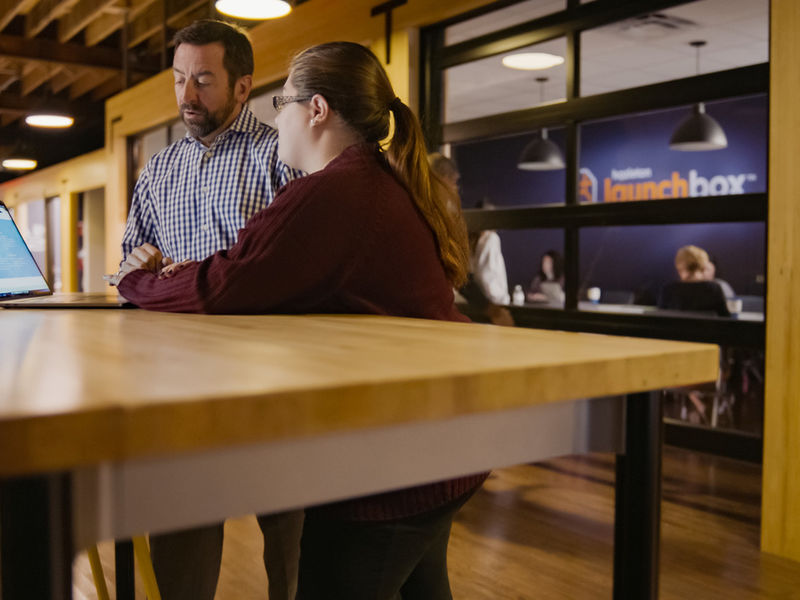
43,12
88,82
6,79
109,88
8,10
70,53
104,26
23,104
67,76
83,13
38,77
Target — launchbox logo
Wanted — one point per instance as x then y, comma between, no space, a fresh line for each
637,183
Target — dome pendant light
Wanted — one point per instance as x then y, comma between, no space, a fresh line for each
21,157
541,154
698,131
254,9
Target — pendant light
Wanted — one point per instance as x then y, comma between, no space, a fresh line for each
46,113
698,131
541,154
21,157
254,9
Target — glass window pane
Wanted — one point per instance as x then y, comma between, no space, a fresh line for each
629,158
541,278
633,265
655,47
489,173
500,19
486,87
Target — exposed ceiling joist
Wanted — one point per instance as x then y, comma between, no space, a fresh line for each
22,104
43,12
38,76
10,9
37,49
66,77
104,26
90,80
83,13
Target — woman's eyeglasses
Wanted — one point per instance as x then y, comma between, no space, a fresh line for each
278,102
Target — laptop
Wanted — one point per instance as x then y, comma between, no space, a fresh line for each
22,284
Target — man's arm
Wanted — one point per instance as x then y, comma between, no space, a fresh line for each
140,227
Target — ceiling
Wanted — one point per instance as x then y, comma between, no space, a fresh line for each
70,53
614,57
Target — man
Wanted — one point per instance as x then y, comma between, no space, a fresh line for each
190,201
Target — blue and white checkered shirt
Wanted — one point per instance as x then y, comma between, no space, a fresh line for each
191,200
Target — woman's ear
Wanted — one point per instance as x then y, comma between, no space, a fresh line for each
320,111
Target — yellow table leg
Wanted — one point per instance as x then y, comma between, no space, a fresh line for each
142,553
97,574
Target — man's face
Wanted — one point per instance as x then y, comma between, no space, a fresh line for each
207,101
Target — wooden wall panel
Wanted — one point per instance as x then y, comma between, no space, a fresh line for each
780,522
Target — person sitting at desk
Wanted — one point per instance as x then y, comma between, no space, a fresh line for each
711,275
548,285
366,231
693,292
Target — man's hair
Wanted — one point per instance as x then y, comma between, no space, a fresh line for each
238,57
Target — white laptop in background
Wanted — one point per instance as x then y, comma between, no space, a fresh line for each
22,284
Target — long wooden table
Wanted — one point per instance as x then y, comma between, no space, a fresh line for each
118,422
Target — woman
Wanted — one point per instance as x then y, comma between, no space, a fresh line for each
367,231
551,274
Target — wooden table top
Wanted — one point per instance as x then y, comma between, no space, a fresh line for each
79,387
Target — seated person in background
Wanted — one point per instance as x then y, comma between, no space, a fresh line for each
487,285
693,291
548,285
368,231
487,264
711,275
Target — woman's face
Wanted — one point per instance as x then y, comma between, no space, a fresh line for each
547,266
293,123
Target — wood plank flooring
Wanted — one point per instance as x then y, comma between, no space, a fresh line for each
545,531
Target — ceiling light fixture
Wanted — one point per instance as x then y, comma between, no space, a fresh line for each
698,131
254,9
532,61
17,163
541,154
49,120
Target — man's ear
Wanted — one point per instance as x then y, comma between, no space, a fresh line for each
320,111
242,87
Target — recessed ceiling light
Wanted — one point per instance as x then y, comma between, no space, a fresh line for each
19,164
532,61
51,121
254,9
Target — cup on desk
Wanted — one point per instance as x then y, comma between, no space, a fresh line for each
734,306
593,294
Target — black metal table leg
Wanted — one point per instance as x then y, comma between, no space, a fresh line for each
123,563
36,538
637,521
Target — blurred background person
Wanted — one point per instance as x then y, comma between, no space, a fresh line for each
711,275
548,285
487,285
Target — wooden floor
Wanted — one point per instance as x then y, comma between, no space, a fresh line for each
545,531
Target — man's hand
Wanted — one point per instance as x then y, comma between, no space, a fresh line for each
146,257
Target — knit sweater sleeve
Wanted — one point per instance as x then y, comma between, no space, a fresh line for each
289,257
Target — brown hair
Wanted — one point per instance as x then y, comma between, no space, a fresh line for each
356,87
238,57
692,258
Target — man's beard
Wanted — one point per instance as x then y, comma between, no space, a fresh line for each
206,122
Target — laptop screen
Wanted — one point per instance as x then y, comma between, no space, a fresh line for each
19,275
